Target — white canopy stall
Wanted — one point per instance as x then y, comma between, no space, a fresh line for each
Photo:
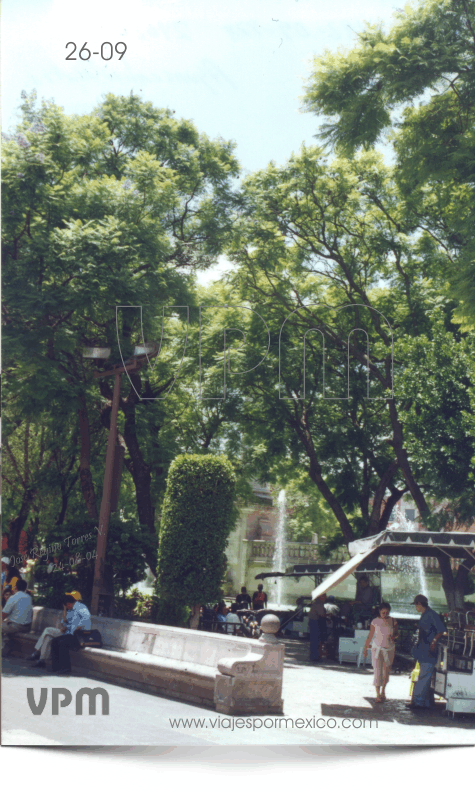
456,544
454,674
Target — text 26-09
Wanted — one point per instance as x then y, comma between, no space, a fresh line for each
106,51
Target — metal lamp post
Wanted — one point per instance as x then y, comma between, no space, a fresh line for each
100,589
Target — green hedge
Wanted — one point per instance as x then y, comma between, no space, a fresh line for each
198,515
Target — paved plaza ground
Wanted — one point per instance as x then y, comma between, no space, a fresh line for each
335,705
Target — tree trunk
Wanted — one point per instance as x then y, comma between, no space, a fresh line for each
87,484
16,525
135,464
315,473
194,619
403,460
453,586
141,475
64,507
377,516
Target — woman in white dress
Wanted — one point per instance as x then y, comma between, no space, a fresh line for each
383,633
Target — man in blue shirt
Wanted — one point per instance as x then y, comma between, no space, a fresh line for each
79,619
17,615
42,651
431,628
221,612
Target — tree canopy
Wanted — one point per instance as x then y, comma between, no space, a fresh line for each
352,297
415,82
117,207
329,350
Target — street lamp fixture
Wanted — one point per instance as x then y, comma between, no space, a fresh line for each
96,352
149,348
102,597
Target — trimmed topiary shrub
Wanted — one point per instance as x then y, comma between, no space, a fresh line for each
198,515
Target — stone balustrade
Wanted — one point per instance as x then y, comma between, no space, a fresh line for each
294,552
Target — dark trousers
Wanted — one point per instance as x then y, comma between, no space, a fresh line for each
318,634
422,694
60,647
315,640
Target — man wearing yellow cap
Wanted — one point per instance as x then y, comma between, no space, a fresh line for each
61,645
42,652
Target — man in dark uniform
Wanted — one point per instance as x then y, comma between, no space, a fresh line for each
431,629
244,599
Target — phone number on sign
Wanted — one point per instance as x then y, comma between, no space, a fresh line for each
73,561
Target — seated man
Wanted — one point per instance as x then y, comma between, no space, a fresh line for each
333,614
232,619
17,614
331,607
42,651
221,612
362,606
61,645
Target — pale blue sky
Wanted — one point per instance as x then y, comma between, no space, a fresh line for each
237,69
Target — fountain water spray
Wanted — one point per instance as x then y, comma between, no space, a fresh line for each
278,560
411,568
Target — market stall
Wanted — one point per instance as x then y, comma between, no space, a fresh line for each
351,638
454,674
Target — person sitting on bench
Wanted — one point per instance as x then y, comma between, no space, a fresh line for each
42,651
61,645
17,615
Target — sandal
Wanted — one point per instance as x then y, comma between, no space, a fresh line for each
378,699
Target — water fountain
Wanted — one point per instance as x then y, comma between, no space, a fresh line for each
406,576
278,560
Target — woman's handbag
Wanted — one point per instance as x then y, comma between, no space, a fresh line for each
89,638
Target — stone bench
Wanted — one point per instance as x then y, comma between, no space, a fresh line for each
233,674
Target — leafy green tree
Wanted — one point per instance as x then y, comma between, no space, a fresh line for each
197,517
326,255
417,83
71,548
435,387
307,512
114,208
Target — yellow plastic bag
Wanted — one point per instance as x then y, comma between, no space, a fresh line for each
414,677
